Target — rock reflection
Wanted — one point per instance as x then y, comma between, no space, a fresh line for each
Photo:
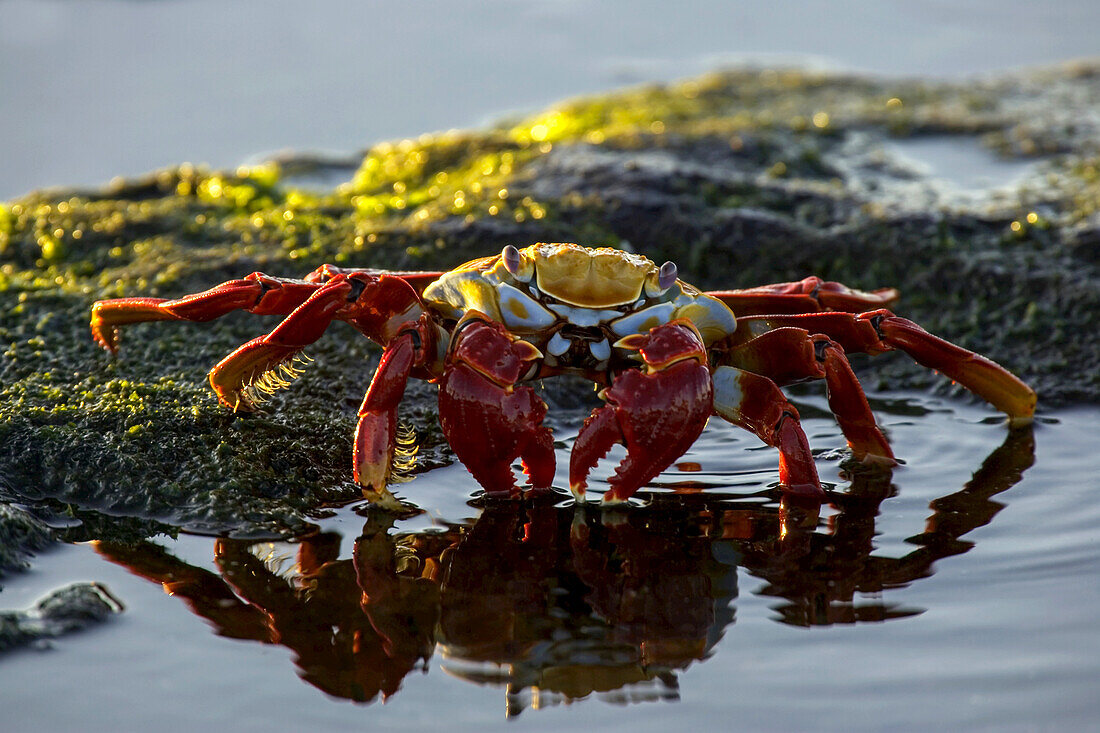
557,603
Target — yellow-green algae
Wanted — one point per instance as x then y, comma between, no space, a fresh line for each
142,436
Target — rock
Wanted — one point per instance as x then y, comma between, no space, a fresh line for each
21,534
63,611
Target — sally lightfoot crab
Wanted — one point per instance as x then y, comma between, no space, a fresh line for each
668,356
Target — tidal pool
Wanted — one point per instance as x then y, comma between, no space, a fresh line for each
958,593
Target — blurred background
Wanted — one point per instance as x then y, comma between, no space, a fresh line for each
92,89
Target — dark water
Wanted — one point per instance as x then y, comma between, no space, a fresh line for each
960,593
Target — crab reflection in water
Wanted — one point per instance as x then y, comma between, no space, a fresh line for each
558,603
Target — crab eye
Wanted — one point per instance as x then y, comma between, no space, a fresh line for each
512,259
519,265
667,276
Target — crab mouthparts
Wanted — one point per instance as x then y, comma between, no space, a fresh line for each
577,345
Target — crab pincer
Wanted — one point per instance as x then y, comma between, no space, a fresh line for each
656,413
487,419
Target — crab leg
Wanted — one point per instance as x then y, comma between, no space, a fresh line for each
809,295
756,404
376,431
875,332
418,280
985,378
787,355
657,413
263,364
257,293
853,335
488,421
849,406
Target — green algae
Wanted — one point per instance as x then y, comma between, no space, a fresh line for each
743,178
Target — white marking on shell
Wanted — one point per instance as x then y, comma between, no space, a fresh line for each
643,320
601,350
521,311
558,345
727,392
583,317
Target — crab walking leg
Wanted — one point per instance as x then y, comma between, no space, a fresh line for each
985,378
418,280
875,332
787,355
257,293
848,404
376,430
809,295
756,404
784,355
263,364
488,421
657,413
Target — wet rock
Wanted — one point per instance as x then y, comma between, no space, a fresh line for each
1084,243
63,611
21,534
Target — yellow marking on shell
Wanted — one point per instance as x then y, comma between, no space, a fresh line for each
481,263
465,289
710,316
481,296
581,277
590,278
518,310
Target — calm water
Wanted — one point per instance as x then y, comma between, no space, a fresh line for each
100,88
693,609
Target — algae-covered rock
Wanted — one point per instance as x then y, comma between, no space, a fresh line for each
742,178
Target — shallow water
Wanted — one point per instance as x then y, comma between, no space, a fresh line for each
961,163
690,609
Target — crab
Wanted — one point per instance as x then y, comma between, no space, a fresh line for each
666,355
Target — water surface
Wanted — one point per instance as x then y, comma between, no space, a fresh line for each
958,593
103,88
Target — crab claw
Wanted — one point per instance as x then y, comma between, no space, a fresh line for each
657,413
487,420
